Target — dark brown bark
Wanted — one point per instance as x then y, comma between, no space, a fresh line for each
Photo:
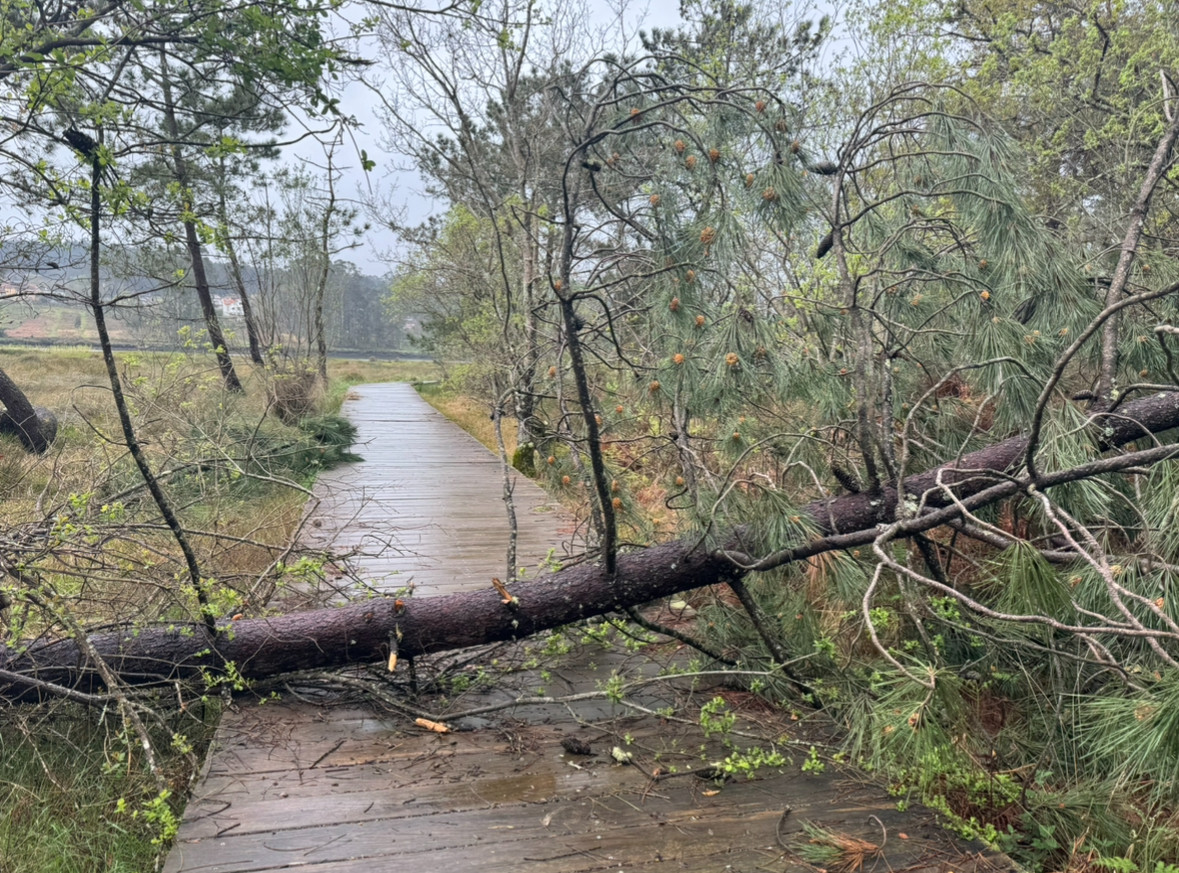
361,632
978,470
320,333
239,282
34,426
98,310
247,313
212,324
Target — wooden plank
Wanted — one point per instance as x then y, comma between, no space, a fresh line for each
300,738
742,822
293,736
614,821
371,791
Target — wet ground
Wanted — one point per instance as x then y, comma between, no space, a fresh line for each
335,783
425,507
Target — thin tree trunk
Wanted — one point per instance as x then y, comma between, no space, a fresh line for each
321,281
98,310
573,325
320,338
528,426
239,282
192,241
1110,332
247,309
212,324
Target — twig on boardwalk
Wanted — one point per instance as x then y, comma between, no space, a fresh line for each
883,830
373,688
778,828
601,694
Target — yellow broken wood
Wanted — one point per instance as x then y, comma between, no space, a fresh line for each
506,596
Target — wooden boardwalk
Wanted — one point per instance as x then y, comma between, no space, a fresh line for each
426,504
344,788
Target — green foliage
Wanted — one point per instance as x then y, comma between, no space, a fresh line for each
450,284
1090,76
785,289
1125,865
1027,585
715,717
813,763
747,764
159,814
524,459
333,435
1134,737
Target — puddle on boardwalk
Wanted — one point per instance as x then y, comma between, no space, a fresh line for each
526,788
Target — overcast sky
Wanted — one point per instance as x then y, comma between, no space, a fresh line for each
404,187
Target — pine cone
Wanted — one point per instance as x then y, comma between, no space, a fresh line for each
574,746
81,142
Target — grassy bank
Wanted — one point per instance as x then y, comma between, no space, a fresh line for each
472,415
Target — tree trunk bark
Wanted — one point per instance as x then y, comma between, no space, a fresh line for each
363,631
212,324
34,426
247,313
1110,334
239,282
318,329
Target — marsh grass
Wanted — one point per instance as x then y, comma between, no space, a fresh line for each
76,797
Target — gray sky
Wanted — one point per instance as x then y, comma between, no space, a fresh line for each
618,27
404,187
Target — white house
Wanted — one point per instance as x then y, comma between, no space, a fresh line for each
230,307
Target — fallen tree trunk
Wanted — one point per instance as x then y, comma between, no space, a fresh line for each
978,470
34,426
367,631
364,631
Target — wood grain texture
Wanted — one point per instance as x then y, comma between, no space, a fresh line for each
426,504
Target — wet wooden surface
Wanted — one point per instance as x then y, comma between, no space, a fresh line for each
425,507
344,788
